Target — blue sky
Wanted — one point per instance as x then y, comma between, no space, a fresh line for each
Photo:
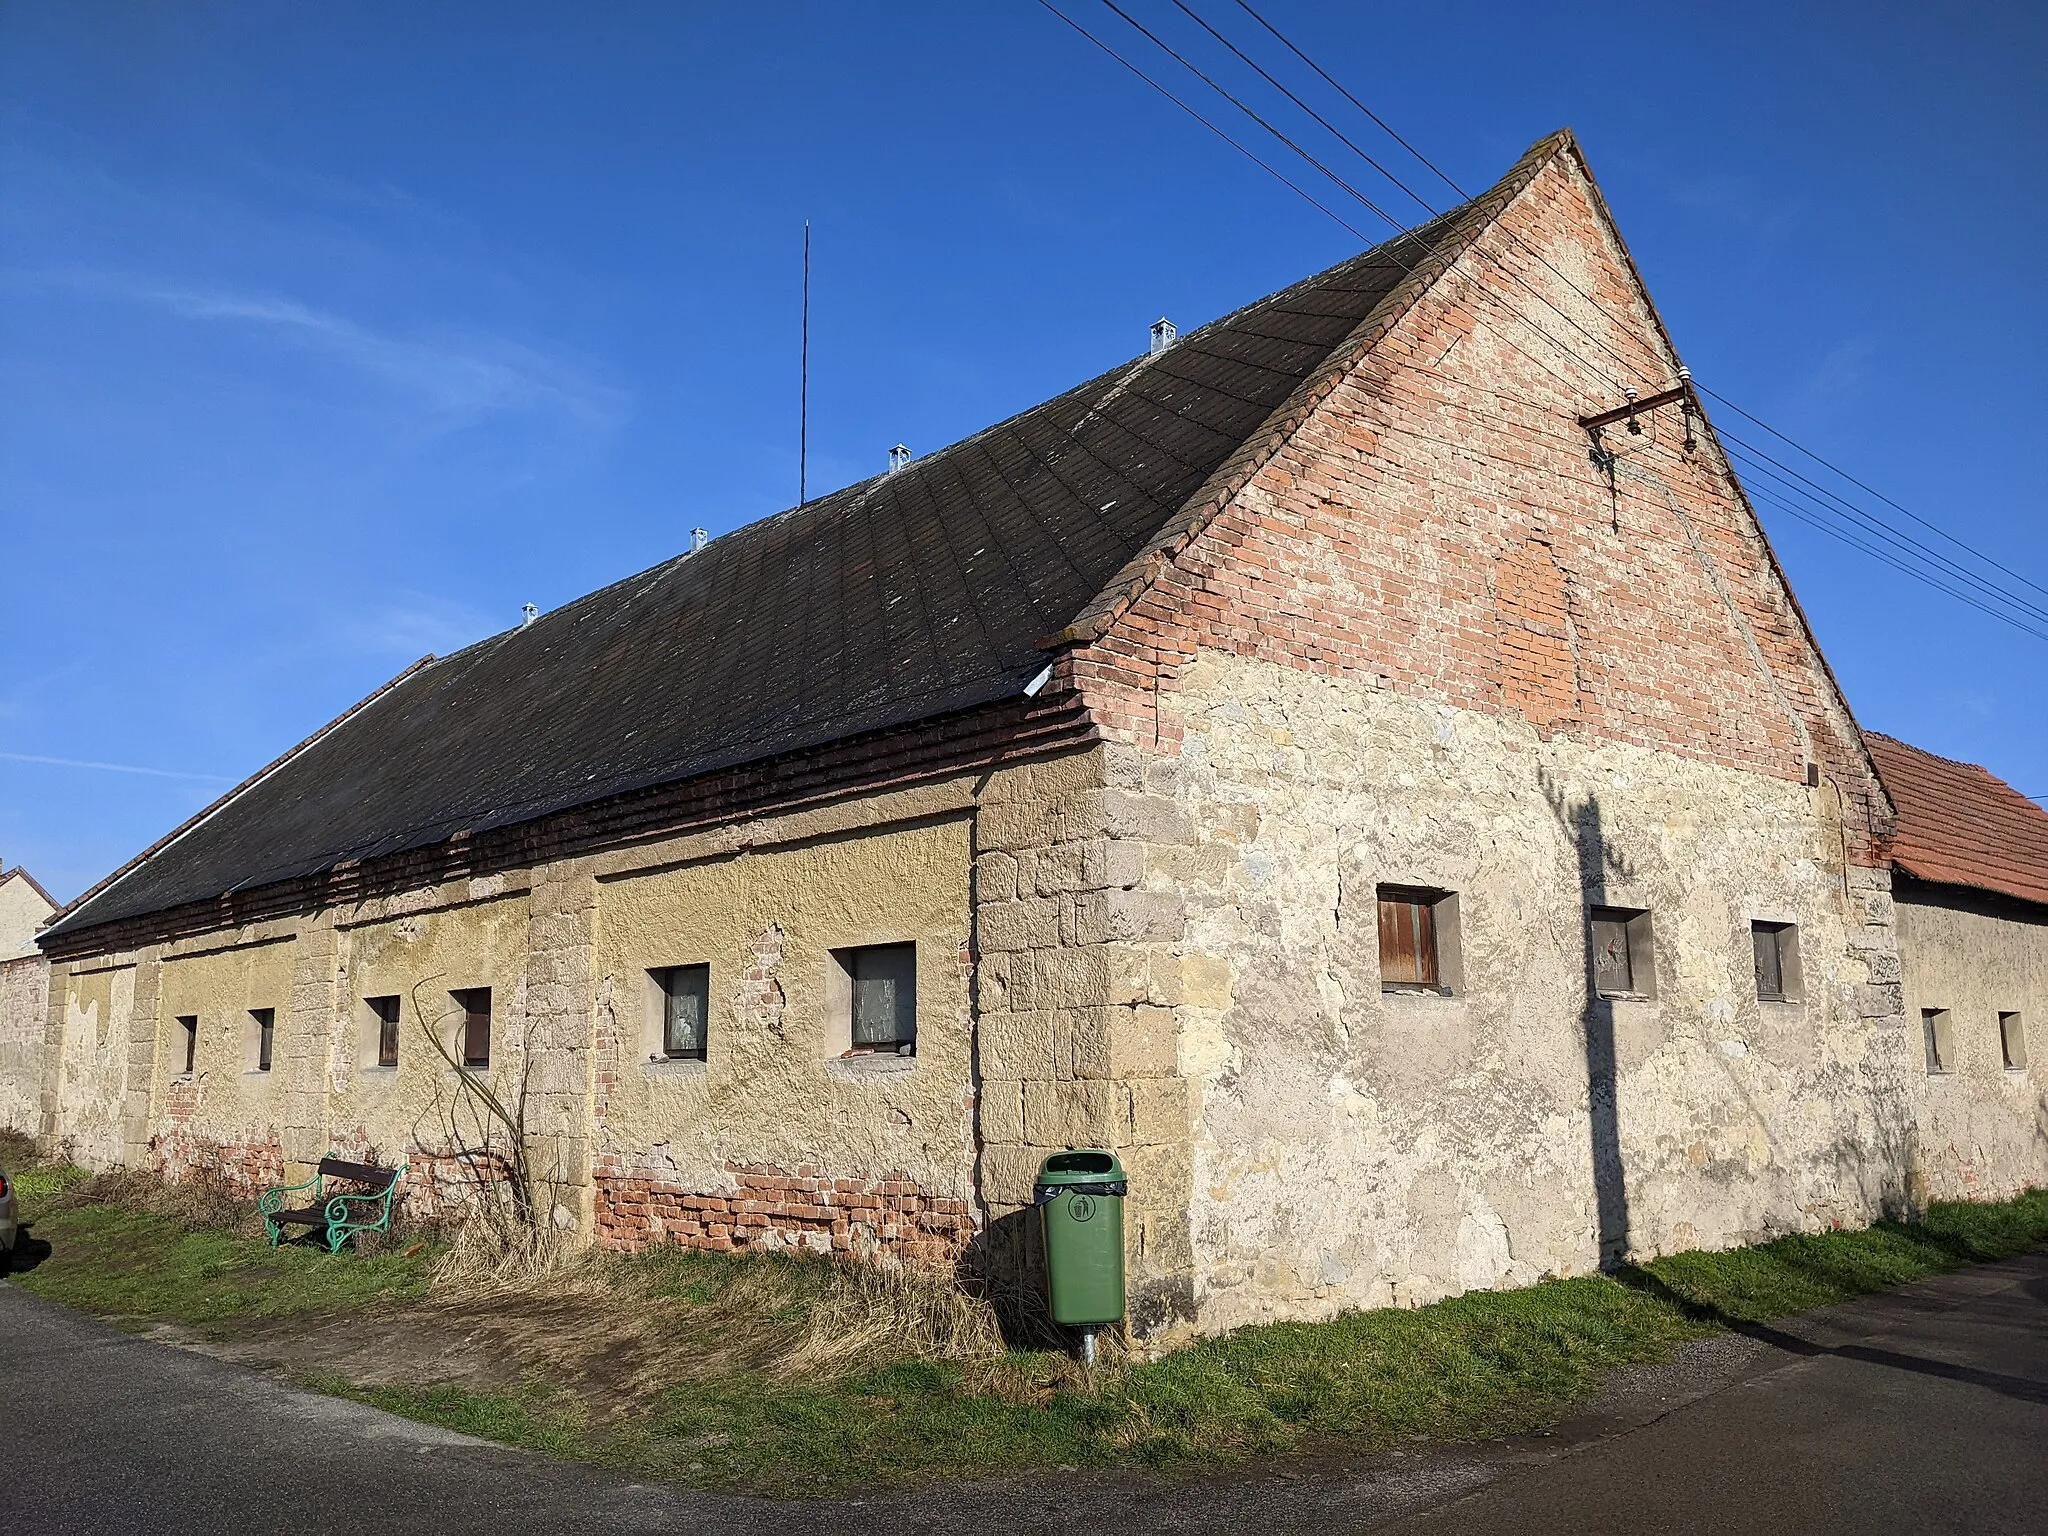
334,334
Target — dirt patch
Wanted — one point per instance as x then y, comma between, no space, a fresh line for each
609,1362
613,1335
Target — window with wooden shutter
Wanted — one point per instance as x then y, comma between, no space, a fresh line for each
475,1029
1623,960
384,1015
1409,956
1776,947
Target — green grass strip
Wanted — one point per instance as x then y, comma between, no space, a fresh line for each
1477,1365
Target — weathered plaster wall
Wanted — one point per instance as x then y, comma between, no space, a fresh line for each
1982,1129
24,1020
775,1141
225,1113
1356,1148
1420,636
92,1015
421,948
739,1148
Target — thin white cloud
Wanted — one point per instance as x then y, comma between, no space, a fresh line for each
154,773
1836,376
461,380
414,624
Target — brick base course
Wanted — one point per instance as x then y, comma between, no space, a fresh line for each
252,1165
771,1210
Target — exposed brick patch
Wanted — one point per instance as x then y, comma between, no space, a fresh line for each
770,1210
249,1165
762,1001
608,1050
1433,525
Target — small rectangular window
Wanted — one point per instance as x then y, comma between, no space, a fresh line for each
384,1012
264,1023
188,1030
475,1036
882,982
1416,939
2012,1040
1940,1040
1777,961
1623,957
685,992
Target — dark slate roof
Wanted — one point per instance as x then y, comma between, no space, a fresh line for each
1960,824
913,594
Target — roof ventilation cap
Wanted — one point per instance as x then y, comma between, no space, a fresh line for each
527,614
698,539
898,457
1163,333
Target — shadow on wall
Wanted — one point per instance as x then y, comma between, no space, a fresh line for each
1582,824
1879,1158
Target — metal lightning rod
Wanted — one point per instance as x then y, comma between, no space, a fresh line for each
803,416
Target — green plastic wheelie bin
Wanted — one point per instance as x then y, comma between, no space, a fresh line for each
1080,1197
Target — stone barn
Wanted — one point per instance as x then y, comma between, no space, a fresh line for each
1415,829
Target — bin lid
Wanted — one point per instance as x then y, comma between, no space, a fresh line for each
1080,1167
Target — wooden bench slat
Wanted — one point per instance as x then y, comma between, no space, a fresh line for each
360,1173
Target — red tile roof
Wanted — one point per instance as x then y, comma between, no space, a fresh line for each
1960,825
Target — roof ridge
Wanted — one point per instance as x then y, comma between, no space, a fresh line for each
1464,224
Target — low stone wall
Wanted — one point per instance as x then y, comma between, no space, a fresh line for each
769,1210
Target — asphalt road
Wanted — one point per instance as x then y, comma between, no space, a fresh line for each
1924,1409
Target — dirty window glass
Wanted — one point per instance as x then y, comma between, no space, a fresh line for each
1612,972
686,1007
884,978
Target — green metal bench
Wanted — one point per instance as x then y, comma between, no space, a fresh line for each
339,1213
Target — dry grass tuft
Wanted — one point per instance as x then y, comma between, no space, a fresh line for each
17,1150
866,1315
203,1201
622,1328
494,1250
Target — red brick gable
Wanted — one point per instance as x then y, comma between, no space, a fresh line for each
1959,824
1435,522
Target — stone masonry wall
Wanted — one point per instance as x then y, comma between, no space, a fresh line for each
1420,635
1078,978
1981,1121
24,1020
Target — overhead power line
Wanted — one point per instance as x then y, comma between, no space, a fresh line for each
1824,509
1339,182
1278,176
1996,593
